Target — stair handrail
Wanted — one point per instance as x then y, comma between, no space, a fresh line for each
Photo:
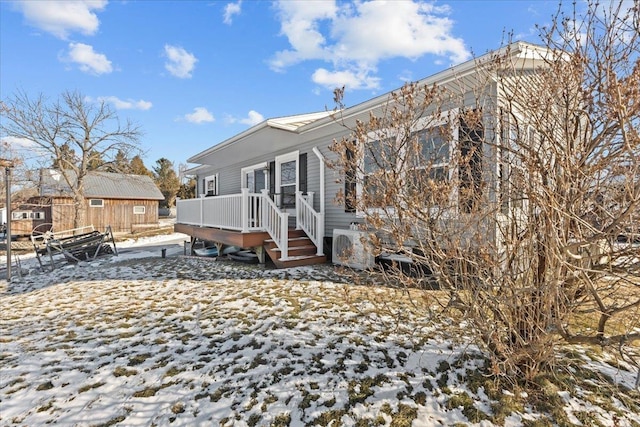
276,223
310,221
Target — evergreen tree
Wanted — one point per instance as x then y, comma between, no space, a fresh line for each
137,167
64,157
188,189
120,163
167,181
95,160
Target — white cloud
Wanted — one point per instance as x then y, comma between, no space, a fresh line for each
355,37
349,79
199,115
232,9
252,119
128,104
63,17
89,60
13,143
181,63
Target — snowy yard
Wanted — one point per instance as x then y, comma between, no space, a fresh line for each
140,340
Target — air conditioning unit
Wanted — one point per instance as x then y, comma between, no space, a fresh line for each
349,249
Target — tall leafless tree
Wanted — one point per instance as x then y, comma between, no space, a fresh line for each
71,132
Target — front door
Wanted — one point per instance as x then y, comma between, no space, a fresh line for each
255,178
287,180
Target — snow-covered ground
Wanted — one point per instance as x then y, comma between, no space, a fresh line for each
141,340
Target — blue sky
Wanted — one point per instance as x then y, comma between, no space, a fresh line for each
194,73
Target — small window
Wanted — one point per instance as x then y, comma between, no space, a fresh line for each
138,210
96,203
211,185
20,215
37,215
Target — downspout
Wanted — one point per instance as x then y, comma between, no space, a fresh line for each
322,184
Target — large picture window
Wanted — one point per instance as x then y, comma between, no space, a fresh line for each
421,163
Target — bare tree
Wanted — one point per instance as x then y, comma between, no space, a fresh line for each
516,189
72,132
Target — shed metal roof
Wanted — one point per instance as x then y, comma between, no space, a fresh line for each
104,185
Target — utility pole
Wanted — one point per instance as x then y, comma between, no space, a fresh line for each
7,164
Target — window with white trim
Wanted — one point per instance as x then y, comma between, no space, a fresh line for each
139,210
423,169
18,215
21,215
432,162
510,169
96,203
211,185
377,158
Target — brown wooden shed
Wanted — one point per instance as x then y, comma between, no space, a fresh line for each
125,202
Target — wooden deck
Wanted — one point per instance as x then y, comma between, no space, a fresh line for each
227,237
302,251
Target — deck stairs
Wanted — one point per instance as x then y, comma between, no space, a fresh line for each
302,251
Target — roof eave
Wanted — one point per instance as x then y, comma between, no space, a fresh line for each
443,77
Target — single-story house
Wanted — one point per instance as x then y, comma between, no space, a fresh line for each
127,203
258,186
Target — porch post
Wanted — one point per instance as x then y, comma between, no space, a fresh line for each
284,236
244,210
322,202
298,210
320,245
263,208
201,202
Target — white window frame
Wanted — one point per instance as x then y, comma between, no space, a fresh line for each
511,129
27,215
252,169
144,210
286,158
447,117
101,205
20,215
216,188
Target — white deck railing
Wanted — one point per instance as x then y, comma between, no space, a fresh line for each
309,220
238,212
276,223
247,212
